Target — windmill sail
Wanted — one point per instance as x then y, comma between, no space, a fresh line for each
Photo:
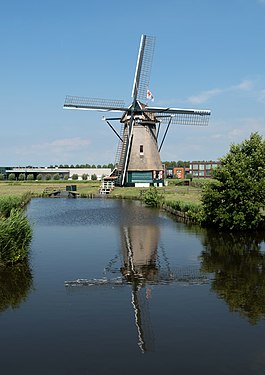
77,102
180,116
143,68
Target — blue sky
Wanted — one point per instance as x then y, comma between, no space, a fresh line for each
209,54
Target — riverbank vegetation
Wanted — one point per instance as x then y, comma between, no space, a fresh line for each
15,230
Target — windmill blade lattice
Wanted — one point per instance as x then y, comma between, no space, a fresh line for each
185,119
77,102
143,68
199,117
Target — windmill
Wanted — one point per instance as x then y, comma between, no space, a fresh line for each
138,160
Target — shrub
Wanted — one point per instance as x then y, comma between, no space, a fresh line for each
2,176
75,176
94,177
84,176
39,177
48,177
153,198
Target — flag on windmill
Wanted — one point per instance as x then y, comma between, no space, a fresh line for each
149,95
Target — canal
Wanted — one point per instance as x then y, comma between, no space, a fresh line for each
113,287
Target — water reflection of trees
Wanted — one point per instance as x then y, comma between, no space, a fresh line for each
238,262
15,284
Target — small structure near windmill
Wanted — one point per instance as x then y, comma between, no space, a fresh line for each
138,160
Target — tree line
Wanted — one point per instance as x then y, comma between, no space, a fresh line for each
168,164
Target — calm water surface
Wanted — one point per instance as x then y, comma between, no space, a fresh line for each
145,295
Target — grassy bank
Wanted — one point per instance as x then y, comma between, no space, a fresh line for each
173,192
36,188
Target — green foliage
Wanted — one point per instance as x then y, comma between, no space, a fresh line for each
194,211
21,177
153,198
94,177
11,177
7,203
39,177
15,231
84,176
2,176
30,177
235,199
179,163
65,177
48,177
75,176
56,177
15,236
10,201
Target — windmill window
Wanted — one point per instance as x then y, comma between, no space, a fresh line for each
141,149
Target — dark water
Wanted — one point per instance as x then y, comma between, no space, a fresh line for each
160,296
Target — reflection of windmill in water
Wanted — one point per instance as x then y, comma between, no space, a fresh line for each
138,156
142,268
139,247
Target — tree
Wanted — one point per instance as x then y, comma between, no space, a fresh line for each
30,177
2,176
48,176
237,196
56,176
75,176
84,176
21,177
11,176
39,177
94,177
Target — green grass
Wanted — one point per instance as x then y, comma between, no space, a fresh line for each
36,188
87,188
15,230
